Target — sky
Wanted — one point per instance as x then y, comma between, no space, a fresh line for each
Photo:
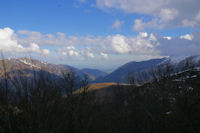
102,34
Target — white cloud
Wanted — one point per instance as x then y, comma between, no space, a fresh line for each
140,25
90,54
60,39
197,17
162,20
164,13
143,34
45,52
143,44
8,43
192,22
69,51
187,37
104,55
167,37
34,48
132,6
62,53
188,23
152,37
117,24
119,44
70,47
154,45
167,14
73,53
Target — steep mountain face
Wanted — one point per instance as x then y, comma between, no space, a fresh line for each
12,66
30,65
94,73
120,74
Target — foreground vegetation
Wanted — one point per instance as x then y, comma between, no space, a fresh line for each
169,103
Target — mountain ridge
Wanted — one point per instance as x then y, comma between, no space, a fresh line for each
119,75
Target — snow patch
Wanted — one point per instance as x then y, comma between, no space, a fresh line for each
28,63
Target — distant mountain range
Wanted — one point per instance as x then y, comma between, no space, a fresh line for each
29,65
94,75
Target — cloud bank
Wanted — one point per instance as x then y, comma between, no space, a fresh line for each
163,13
90,47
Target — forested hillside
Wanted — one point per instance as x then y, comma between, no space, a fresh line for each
169,102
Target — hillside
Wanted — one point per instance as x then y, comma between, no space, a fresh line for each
28,66
168,103
120,74
94,74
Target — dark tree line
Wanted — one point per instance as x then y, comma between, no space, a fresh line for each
44,104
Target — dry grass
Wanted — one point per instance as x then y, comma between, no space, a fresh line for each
97,86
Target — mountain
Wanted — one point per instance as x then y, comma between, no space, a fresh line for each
188,62
121,73
12,67
94,74
30,65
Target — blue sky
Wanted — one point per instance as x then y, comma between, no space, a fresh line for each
99,33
